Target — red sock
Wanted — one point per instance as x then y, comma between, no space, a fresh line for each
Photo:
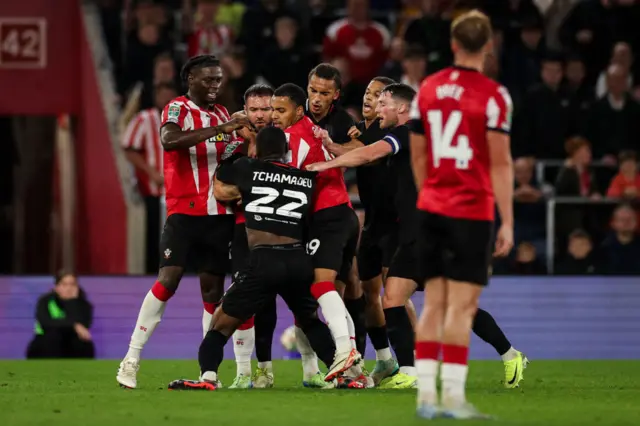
428,350
455,354
321,288
161,292
210,307
248,324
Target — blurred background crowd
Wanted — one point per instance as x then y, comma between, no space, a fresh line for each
570,66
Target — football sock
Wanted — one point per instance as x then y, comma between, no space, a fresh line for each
380,342
486,328
334,313
149,317
352,330
509,355
427,354
207,317
401,335
243,343
268,365
309,358
265,325
211,351
357,310
453,373
319,338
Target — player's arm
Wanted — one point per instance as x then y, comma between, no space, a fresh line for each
417,145
356,157
224,182
338,150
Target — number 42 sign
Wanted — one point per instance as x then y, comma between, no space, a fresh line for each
23,42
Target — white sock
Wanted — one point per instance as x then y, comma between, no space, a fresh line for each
454,379
352,330
427,373
509,355
383,354
268,365
335,314
309,358
209,376
243,345
149,317
409,371
206,322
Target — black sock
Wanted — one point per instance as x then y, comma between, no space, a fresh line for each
356,309
211,351
320,339
378,336
401,335
265,324
486,328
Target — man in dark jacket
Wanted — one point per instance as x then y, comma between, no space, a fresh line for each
63,319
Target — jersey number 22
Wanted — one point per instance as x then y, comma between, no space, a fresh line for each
261,205
443,135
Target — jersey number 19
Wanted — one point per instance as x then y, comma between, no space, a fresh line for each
443,135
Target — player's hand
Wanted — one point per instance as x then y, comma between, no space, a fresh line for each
252,151
235,124
82,332
317,167
354,133
504,241
322,134
157,178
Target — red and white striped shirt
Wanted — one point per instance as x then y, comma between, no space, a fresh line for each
188,174
143,135
210,41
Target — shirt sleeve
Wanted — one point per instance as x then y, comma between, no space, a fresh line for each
176,113
134,134
415,118
228,170
499,110
398,138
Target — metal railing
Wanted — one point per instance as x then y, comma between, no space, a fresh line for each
542,165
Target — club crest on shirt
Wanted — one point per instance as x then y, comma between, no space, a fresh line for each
230,149
173,112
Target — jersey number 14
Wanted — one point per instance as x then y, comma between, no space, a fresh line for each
444,134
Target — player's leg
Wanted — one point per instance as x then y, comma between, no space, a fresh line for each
211,290
265,325
175,243
486,328
355,303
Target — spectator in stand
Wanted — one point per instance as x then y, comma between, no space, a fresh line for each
526,261
321,16
230,14
237,78
392,68
512,14
431,31
614,121
576,179
350,94
580,258
363,42
623,56
414,67
529,211
621,249
141,142
626,184
164,72
290,58
581,95
63,319
542,122
203,34
492,67
141,53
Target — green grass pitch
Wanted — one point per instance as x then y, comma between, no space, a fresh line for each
52,393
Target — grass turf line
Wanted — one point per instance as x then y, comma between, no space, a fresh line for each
56,393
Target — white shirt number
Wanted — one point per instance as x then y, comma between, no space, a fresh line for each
442,139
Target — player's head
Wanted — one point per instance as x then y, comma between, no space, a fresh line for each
163,93
66,284
394,104
271,143
288,105
203,76
371,95
471,34
257,105
325,83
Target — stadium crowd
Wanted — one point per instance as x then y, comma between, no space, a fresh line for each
569,65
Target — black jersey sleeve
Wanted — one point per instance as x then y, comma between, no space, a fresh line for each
398,138
229,169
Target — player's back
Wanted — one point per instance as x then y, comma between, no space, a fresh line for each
304,149
457,107
277,197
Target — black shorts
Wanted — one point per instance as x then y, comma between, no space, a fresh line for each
239,248
284,270
333,239
199,241
456,249
375,251
406,264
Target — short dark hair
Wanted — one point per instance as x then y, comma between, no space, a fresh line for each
197,62
384,80
327,72
271,141
293,92
258,90
580,234
627,156
165,86
63,273
472,30
415,52
400,91
553,57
